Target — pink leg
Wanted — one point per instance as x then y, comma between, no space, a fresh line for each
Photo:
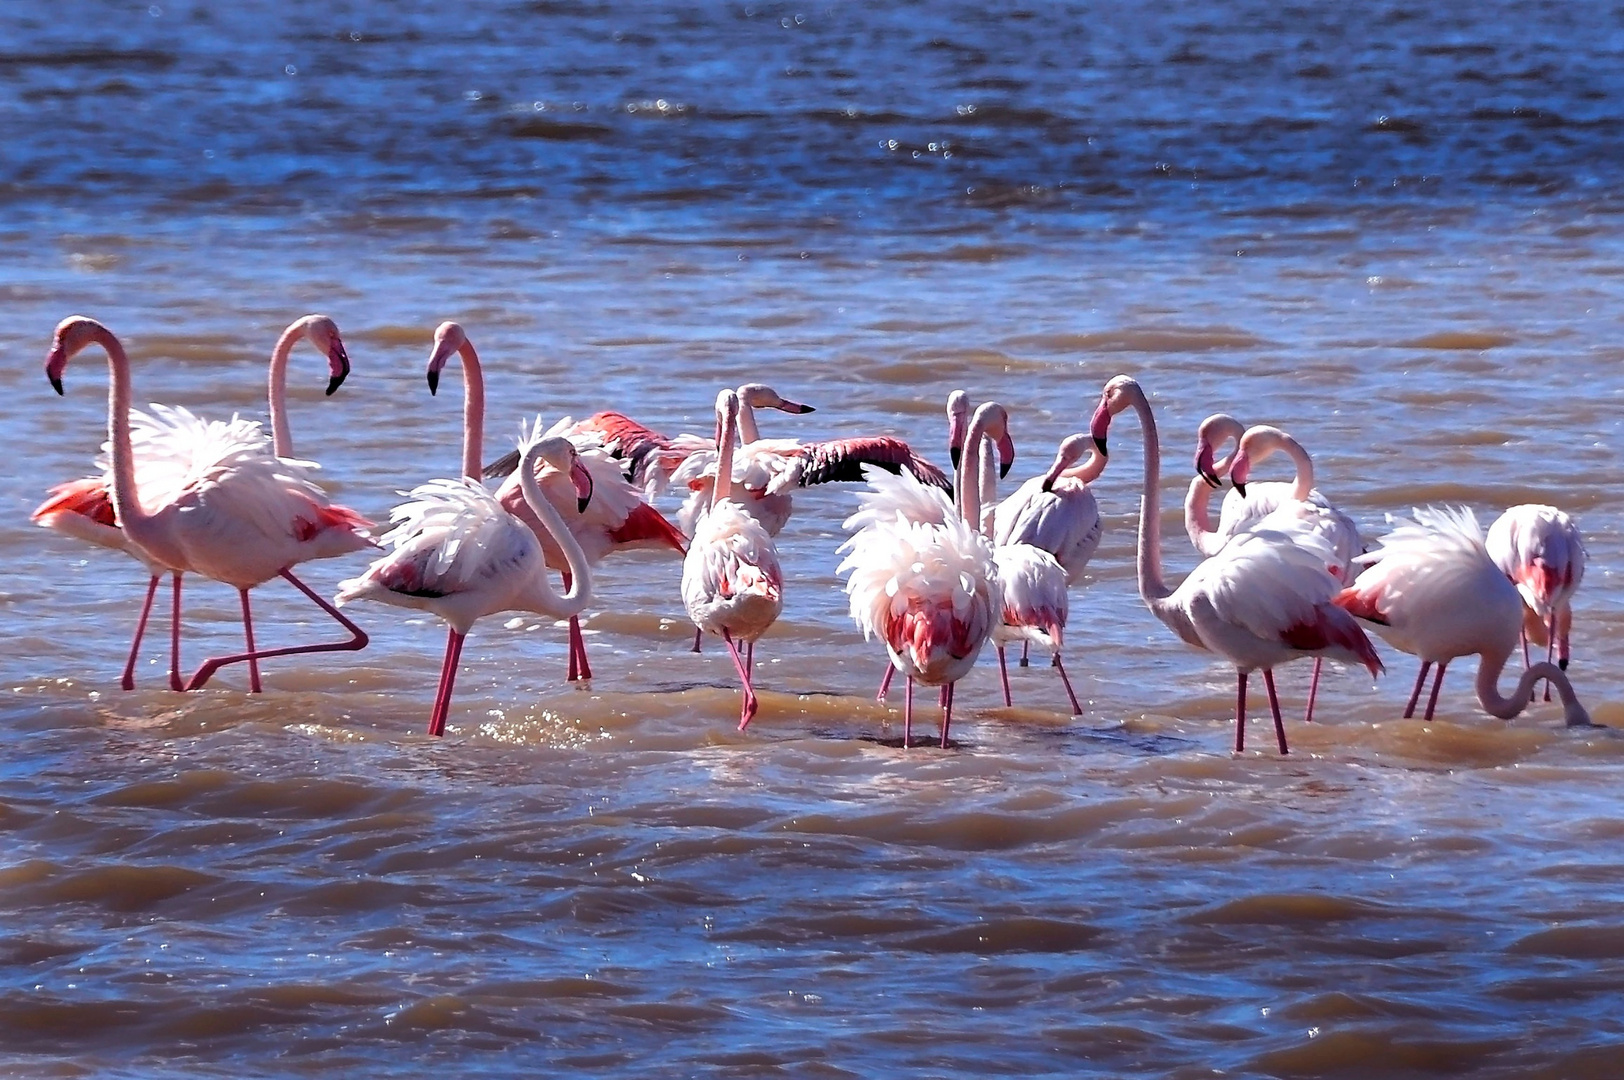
1528,661
1415,695
947,712
1025,648
1076,708
750,659
248,632
907,714
580,667
1438,681
1274,707
128,682
1003,675
174,639
1550,651
1240,711
698,636
1313,691
885,684
747,713
357,640
574,671
448,678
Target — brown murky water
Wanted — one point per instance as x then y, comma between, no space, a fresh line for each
1394,233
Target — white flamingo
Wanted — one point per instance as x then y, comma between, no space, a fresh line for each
1432,590
172,446
242,517
1540,549
458,553
732,584
1264,599
1296,508
922,580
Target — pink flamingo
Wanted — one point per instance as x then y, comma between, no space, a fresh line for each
249,517
459,554
1268,505
455,550
1264,599
1540,549
923,579
732,584
1034,584
172,445
1432,590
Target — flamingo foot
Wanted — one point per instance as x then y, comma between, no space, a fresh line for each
1025,648
448,678
1076,707
699,636
357,640
748,712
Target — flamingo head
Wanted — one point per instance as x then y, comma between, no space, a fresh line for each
323,334
760,396
727,416
991,421
1117,395
1216,430
448,338
560,454
1072,449
958,420
72,335
1258,443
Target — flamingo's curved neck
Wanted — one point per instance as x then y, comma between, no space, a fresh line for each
132,518
574,599
1305,468
1152,587
1088,470
1197,521
277,392
971,475
473,410
748,432
984,517
724,459
1488,689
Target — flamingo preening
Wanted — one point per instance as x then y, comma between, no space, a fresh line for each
243,516
923,579
458,552
732,584
1432,590
1262,600
173,446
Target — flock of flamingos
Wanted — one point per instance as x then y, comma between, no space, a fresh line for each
936,566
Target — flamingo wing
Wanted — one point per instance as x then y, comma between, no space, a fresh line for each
1064,521
842,460
449,537
898,496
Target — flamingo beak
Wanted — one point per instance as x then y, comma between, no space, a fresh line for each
434,380
56,384
1239,471
1099,425
1203,466
338,362
1006,455
1241,487
582,479
794,407
954,453
56,362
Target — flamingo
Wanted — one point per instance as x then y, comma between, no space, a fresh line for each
459,554
242,517
170,444
732,584
1034,584
1432,590
1264,599
1540,549
1269,504
923,579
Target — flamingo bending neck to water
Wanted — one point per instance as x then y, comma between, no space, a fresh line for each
1265,598
243,518
1541,550
457,551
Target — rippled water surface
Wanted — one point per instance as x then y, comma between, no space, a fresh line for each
1392,228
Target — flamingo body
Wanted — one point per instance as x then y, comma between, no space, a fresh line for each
731,577
1064,521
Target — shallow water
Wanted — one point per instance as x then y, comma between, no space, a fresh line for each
1393,230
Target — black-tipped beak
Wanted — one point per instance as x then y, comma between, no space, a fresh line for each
1003,468
1099,441
582,503
954,453
1211,479
1242,489
1048,485
1563,663
434,382
56,384
334,383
